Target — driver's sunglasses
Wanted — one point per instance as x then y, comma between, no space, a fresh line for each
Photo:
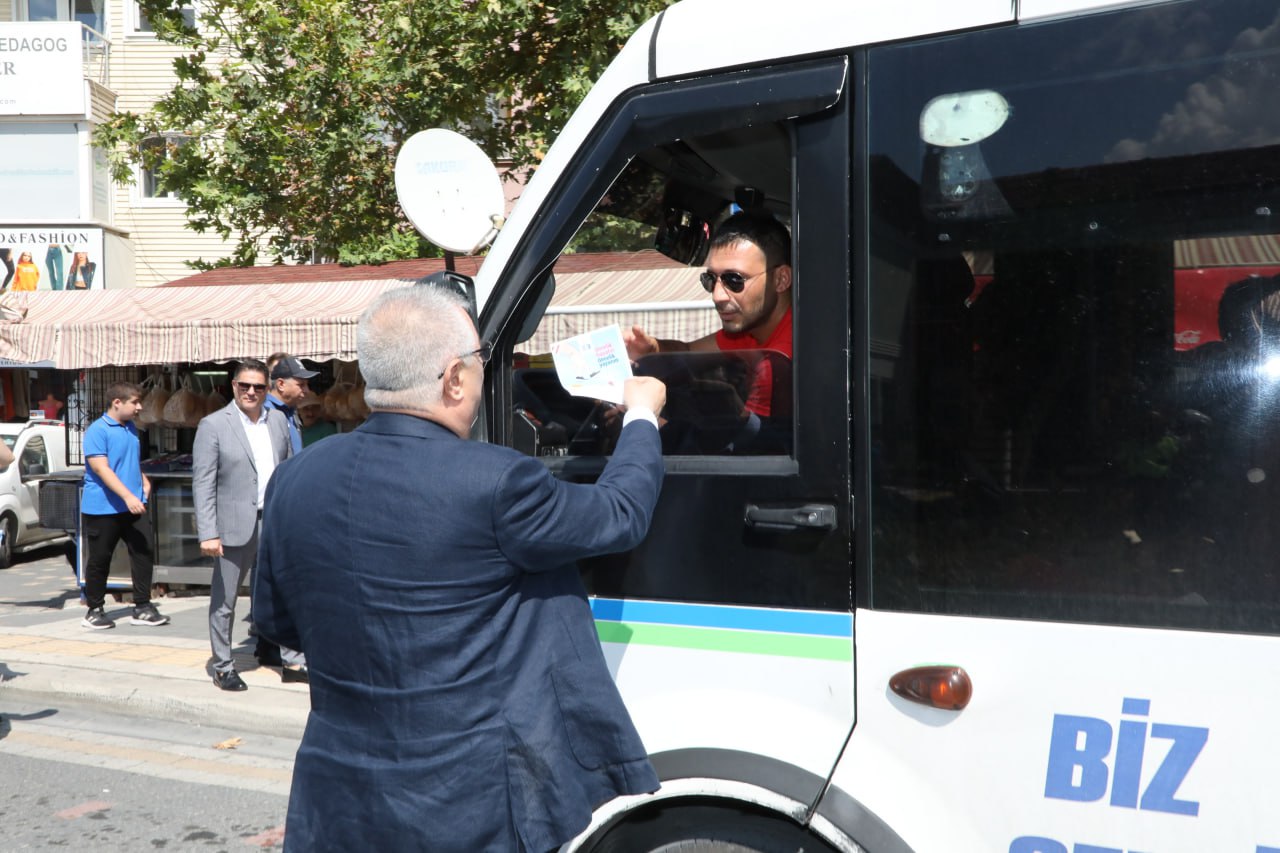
484,353
733,281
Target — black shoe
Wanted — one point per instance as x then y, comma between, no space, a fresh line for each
299,674
230,680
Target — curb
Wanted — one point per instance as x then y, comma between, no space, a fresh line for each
259,710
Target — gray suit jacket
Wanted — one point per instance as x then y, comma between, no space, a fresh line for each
224,477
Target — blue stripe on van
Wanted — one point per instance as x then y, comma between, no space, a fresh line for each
817,624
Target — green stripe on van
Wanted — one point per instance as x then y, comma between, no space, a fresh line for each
718,640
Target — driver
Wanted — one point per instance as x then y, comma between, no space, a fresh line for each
748,275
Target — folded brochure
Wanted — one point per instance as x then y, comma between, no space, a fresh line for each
593,364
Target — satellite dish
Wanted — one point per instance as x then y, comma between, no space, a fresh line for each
449,190
963,118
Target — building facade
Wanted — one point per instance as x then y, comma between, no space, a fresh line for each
66,66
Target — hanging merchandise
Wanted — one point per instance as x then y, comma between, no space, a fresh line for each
185,407
214,401
337,399
356,405
153,401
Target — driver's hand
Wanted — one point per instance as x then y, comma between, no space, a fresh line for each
639,343
644,392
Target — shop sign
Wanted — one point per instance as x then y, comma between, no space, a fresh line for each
42,68
52,257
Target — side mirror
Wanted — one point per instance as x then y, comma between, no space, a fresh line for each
683,236
457,282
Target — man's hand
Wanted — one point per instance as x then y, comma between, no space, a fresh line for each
639,343
211,547
135,506
644,392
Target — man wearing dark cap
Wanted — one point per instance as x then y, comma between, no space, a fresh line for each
289,384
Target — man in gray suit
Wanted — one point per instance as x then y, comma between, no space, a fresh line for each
236,450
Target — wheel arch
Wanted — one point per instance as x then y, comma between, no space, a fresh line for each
12,524
736,779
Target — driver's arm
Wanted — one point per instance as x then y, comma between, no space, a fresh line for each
639,344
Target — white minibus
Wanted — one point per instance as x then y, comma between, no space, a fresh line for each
1000,568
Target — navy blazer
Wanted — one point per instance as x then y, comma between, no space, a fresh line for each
459,697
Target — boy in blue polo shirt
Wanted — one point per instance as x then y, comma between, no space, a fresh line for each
113,506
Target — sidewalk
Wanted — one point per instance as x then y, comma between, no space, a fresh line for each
161,672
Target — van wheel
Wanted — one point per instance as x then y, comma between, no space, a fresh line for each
703,845
708,829
6,547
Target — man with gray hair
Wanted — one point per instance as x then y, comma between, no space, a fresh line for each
459,697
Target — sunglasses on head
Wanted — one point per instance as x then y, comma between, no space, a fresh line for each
251,386
733,281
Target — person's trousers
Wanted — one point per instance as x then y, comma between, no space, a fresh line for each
103,533
53,262
288,657
229,572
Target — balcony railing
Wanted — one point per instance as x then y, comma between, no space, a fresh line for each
97,55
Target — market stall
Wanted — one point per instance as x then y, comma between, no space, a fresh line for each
180,340
179,343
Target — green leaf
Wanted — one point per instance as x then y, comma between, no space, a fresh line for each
295,108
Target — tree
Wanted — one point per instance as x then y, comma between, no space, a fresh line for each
286,115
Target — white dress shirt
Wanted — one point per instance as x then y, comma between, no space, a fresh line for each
264,460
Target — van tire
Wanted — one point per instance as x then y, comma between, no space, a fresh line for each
708,829
6,547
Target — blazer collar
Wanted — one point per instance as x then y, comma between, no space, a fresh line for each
394,423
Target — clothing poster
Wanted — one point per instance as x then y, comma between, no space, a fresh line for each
57,259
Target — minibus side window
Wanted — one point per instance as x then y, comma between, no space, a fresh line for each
1074,326
635,263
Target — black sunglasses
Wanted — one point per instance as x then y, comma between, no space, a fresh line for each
251,386
733,281
484,353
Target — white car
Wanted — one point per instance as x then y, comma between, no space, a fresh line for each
39,448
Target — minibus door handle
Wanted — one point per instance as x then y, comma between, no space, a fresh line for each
791,516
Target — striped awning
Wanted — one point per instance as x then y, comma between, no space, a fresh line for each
314,316
666,303
167,325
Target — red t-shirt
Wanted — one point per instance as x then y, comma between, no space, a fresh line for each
761,396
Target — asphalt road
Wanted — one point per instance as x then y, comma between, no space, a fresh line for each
83,779
91,777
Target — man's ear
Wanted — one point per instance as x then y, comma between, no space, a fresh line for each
782,278
453,390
